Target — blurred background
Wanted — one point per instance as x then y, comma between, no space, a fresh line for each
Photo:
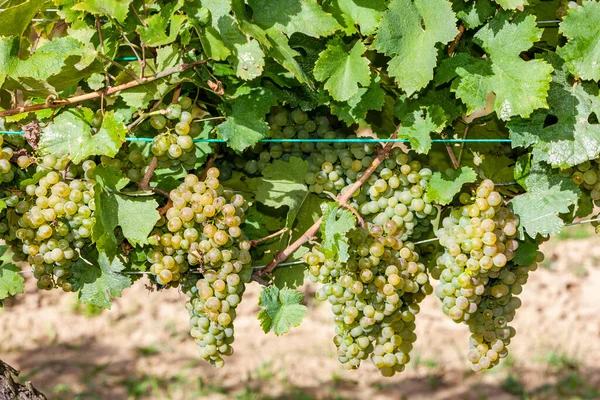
141,348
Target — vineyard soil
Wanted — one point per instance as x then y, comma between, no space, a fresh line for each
140,349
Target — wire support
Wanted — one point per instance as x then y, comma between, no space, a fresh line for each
314,140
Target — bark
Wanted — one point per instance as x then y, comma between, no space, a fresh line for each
12,389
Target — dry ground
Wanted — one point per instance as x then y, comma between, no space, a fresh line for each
141,350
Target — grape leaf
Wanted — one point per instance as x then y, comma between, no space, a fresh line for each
356,108
14,20
289,276
366,14
11,281
343,70
548,195
519,86
249,60
336,224
527,252
291,16
281,309
582,51
154,32
273,40
282,184
442,188
97,285
418,125
224,38
571,139
71,134
473,13
135,215
412,48
245,124
511,4
116,9
32,74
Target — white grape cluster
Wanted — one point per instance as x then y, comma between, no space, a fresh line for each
203,231
478,277
56,218
374,296
174,145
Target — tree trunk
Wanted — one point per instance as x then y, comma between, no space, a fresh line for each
11,389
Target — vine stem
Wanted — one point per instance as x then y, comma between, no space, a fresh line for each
100,93
343,200
271,236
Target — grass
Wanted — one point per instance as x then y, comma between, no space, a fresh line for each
577,232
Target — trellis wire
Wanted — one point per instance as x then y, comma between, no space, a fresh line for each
315,140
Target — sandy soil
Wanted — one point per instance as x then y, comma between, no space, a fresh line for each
141,348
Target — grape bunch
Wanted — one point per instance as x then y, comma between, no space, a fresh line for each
587,175
174,145
374,296
55,221
7,171
202,230
478,277
490,332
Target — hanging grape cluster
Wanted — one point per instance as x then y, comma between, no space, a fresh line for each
202,231
477,274
174,144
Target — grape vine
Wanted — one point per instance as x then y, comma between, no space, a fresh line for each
109,170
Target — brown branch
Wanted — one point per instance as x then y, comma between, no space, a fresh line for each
259,280
353,210
176,94
450,151
452,47
343,199
99,93
271,236
31,133
144,184
462,145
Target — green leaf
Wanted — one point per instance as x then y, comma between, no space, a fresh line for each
343,70
572,139
474,13
519,86
250,60
289,276
49,59
356,108
282,184
511,4
98,285
96,81
336,224
582,51
70,134
291,16
14,20
116,9
154,32
418,125
245,124
412,48
135,215
281,309
548,195
366,14
11,281
527,251
442,187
